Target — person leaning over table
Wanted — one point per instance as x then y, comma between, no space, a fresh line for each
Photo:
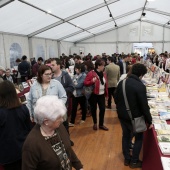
44,86
15,125
47,146
137,99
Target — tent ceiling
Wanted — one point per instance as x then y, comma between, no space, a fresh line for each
124,6
65,8
74,20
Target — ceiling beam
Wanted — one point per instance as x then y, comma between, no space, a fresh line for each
71,17
106,31
110,13
155,23
143,9
5,2
101,23
157,11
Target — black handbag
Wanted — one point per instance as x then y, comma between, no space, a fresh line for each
138,123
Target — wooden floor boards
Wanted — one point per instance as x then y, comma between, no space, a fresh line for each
99,150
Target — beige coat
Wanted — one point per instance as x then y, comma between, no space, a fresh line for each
113,74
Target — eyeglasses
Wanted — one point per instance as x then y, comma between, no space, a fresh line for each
48,74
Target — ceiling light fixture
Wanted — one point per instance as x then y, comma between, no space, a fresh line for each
143,16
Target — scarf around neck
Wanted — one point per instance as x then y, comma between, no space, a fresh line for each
100,74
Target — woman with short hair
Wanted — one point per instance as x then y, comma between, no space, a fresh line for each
15,125
48,145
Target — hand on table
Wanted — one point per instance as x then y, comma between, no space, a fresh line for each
151,126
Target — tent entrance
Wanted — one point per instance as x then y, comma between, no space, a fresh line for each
143,48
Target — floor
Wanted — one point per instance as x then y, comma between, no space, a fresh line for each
99,150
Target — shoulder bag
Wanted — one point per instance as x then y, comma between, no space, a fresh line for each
138,123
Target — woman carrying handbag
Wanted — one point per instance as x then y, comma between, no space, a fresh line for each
97,78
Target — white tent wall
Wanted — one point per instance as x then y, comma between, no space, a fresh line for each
167,35
150,32
127,35
158,47
167,47
106,37
98,49
65,47
125,47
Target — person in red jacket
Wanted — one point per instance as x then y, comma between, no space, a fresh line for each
97,78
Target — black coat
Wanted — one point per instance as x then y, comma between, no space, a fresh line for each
137,99
15,125
120,64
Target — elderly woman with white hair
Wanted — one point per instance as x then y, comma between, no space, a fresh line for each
48,145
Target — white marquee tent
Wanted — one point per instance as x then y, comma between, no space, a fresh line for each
48,28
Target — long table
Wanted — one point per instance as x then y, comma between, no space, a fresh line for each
151,152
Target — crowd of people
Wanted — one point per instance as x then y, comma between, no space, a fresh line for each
32,135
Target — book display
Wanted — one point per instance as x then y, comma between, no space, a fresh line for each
157,83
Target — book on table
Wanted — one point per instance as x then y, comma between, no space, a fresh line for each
165,163
163,138
164,147
163,132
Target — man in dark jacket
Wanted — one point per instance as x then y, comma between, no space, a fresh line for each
137,99
64,78
36,66
123,64
24,69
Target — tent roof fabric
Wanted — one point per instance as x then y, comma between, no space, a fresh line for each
75,20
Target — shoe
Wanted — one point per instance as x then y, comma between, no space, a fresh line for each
71,124
81,122
137,164
95,127
127,162
103,128
72,143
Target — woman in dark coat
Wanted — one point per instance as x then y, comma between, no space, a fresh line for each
15,125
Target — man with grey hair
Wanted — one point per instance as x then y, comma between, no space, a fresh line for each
2,70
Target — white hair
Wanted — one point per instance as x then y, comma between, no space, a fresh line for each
49,107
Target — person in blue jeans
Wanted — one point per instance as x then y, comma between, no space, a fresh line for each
137,99
78,96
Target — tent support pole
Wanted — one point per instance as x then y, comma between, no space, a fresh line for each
4,51
117,37
30,48
163,38
59,50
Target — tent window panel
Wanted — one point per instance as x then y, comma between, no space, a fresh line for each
15,52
